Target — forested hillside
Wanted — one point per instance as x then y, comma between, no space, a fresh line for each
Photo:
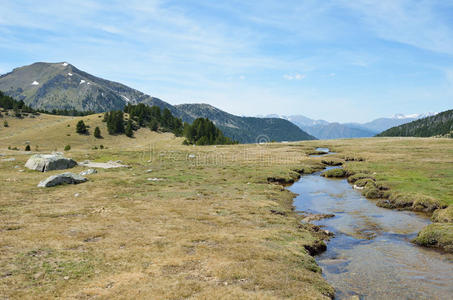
438,125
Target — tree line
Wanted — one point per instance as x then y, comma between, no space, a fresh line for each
200,132
204,132
19,107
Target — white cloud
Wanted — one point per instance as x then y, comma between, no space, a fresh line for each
296,76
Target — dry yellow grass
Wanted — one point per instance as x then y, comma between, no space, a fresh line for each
211,228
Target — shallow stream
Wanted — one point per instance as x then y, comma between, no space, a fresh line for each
371,254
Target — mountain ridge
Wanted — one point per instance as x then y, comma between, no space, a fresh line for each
61,86
323,129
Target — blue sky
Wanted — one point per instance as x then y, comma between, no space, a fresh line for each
336,60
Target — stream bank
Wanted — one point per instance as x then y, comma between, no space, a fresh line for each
372,255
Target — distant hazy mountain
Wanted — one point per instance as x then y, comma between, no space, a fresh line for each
299,120
246,129
322,129
437,125
62,86
337,131
382,124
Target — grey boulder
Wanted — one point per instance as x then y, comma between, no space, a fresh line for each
49,162
64,178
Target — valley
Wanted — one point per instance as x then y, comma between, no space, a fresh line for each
189,221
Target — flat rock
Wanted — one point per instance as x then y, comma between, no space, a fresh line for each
107,165
64,178
49,162
88,172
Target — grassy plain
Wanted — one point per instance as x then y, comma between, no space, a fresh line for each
210,227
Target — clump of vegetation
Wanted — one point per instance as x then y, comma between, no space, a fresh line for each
332,162
27,148
364,182
438,235
443,215
204,132
97,133
415,202
67,147
353,178
335,173
81,128
5,124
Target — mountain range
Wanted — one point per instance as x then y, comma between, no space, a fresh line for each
322,129
60,86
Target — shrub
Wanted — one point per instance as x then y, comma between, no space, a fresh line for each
5,124
101,147
27,148
67,147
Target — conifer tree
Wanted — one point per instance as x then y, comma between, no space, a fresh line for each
81,127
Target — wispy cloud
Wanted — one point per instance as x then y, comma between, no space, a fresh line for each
233,53
296,76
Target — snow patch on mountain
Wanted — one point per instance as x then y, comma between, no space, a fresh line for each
125,98
35,83
412,116
82,81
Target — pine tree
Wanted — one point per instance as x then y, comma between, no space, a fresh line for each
81,127
97,133
154,125
129,131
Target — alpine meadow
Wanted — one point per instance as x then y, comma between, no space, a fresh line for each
226,150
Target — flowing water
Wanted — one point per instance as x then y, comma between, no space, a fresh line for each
371,254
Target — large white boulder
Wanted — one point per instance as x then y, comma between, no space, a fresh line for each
49,162
64,178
